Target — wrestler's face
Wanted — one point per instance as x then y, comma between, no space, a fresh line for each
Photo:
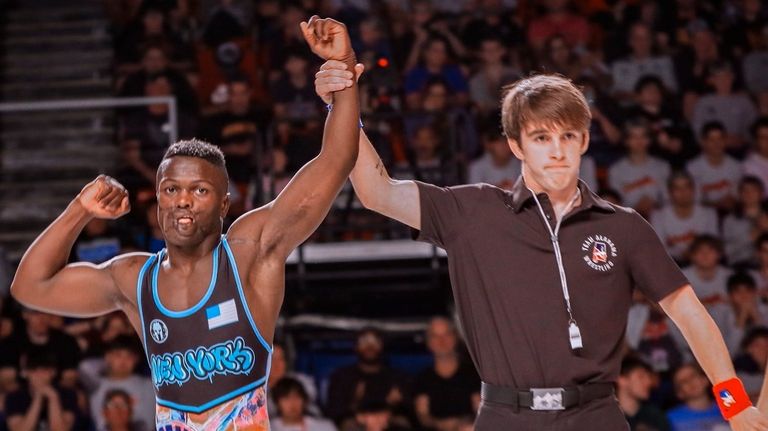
551,155
192,200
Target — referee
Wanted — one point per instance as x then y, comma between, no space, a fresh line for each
543,274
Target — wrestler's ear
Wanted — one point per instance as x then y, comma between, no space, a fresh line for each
225,202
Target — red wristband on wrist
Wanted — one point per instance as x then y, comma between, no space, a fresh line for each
731,397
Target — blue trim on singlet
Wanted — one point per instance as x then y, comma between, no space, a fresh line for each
139,283
215,402
240,291
200,304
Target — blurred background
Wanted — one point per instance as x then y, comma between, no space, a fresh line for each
679,97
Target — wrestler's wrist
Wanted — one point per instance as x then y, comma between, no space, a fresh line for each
731,397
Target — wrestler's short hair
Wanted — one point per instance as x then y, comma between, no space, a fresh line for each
546,99
197,148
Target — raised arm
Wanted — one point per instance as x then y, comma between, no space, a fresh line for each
707,345
44,281
375,188
287,221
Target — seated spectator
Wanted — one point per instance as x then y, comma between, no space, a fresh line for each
291,400
651,103
754,65
741,228
497,165
558,19
641,62
151,27
756,163
715,173
679,222
40,404
117,411
100,241
638,176
150,237
368,380
375,416
698,411
633,388
604,131
654,336
707,276
733,109
491,20
145,137
120,362
37,338
760,274
292,93
227,20
741,312
493,73
238,131
429,160
558,57
450,389
750,363
435,63
279,370
692,62
154,63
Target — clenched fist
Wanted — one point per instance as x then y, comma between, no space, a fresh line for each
328,39
104,198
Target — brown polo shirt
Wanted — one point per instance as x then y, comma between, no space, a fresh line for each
507,288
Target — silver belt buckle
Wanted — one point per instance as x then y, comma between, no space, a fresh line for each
547,399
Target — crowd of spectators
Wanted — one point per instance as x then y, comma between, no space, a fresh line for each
679,96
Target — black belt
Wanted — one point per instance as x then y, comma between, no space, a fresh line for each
546,398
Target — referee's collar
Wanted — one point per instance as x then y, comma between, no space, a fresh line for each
521,197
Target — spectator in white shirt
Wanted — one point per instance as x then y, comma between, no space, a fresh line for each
707,276
742,227
682,220
641,61
715,173
741,312
497,165
639,177
756,163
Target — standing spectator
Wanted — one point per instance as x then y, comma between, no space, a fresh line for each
715,173
741,312
494,72
40,404
698,411
558,19
633,388
436,62
741,228
705,273
120,360
639,177
641,62
756,163
497,165
733,109
370,379
291,400
450,389
679,222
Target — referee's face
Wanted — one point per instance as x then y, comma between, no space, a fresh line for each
550,155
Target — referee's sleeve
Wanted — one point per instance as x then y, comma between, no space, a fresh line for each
652,269
443,212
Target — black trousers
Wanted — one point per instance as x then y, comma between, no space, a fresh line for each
599,415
